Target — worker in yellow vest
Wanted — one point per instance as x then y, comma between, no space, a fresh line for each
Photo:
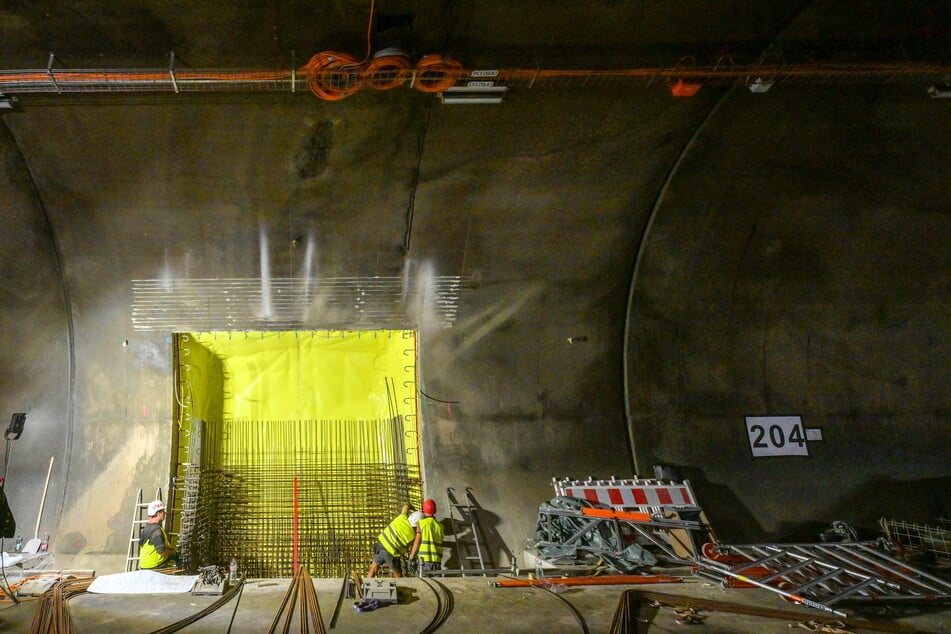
155,551
429,549
395,541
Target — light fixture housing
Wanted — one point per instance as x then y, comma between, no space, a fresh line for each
8,103
475,92
760,85
940,91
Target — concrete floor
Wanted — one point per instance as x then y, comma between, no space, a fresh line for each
469,604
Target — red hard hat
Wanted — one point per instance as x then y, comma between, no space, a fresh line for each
429,507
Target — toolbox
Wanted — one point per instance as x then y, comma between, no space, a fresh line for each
382,590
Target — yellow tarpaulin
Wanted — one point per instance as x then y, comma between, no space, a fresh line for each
293,441
302,375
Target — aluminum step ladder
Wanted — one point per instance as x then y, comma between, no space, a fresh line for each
469,540
823,575
140,516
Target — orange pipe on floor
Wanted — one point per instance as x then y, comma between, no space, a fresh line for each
608,580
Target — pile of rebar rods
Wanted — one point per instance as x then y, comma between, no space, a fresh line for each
300,594
52,611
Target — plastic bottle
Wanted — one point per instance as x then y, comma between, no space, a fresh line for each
45,544
18,546
233,571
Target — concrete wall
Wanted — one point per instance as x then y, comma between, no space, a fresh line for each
797,267
793,265
35,374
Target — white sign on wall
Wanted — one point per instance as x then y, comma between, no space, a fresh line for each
776,436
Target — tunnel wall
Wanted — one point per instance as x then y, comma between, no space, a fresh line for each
162,189
796,267
791,266
36,350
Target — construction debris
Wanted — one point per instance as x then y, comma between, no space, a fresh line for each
626,616
660,514
930,544
822,576
565,535
625,523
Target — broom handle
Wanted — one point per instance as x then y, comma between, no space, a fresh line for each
36,531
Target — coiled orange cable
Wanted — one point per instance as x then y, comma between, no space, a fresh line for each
436,73
332,76
385,72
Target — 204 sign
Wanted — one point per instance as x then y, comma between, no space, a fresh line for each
776,436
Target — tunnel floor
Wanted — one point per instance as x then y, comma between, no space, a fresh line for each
472,604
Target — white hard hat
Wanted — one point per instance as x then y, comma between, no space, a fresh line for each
414,518
155,507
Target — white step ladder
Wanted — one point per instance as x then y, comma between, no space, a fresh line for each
140,516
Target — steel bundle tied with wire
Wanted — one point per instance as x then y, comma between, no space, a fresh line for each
333,76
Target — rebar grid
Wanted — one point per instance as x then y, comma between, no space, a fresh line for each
935,540
346,489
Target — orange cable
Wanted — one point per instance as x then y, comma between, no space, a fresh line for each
369,29
332,76
436,73
385,72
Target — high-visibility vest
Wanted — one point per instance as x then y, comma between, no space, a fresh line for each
430,548
398,536
149,557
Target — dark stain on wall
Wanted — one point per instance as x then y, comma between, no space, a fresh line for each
314,157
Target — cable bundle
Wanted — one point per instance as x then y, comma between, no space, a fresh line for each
436,73
386,71
333,76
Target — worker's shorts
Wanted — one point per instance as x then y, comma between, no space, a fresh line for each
381,556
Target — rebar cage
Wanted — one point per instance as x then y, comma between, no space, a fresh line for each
276,492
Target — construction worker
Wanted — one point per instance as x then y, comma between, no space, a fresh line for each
429,547
395,541
154,548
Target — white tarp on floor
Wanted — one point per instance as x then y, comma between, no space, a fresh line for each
142,582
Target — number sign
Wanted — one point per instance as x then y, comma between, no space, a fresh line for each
776,436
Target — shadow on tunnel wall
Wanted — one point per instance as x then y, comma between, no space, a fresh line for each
731,521
914,501
918,501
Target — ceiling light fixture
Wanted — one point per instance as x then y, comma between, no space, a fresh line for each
940,91
475,92
760,85
8,103
468,99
